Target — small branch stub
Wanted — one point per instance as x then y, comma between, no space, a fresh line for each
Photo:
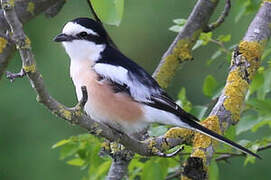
12,76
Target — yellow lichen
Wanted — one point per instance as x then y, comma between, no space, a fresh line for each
65,113
30,7
180,53
106,145
167,71
178,132
3,44
235,92
252,51
224,125
203,141
114,147
31,68
183,49
151,146
12,2
27,43
199,153
78,113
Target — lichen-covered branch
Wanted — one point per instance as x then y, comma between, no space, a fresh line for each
180,49
26,10
245,62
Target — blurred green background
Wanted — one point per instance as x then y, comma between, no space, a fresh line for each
28,130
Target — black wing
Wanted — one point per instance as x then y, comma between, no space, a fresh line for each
158,98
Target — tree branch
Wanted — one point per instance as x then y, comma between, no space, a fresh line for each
180,49
221,18
245,62
26,10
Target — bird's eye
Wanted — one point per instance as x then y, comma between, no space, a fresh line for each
83,34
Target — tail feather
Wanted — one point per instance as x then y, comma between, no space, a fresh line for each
197,127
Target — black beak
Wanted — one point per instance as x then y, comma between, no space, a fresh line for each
62,37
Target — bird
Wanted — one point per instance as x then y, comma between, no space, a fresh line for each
121,94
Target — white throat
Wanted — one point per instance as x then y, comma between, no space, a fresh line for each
83,50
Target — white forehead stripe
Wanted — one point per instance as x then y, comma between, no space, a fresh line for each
72,28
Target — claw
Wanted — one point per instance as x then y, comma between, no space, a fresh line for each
160,154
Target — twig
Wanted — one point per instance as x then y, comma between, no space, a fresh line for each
226,156
224,49
221,18
12,76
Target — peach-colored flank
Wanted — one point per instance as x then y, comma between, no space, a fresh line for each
102,100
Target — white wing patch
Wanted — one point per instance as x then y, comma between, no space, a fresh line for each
120,75
72,28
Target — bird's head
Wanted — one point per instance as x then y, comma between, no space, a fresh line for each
83,38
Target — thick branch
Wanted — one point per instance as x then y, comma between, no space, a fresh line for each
180,49
245,62
26,10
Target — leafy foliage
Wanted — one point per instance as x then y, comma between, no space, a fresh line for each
110,12
82,151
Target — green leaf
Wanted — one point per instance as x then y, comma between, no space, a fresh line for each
102,169
246,123
76,162
164,163
180,22
152,170
199,111
266,120
249,159
262,106
157,130
198,44
224,38
267,81
206,37
213,171
68,150
183,101
109,11
176,28
230,132
266,53
256,83
209,86
60,143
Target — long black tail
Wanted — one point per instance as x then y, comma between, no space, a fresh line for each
212,134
